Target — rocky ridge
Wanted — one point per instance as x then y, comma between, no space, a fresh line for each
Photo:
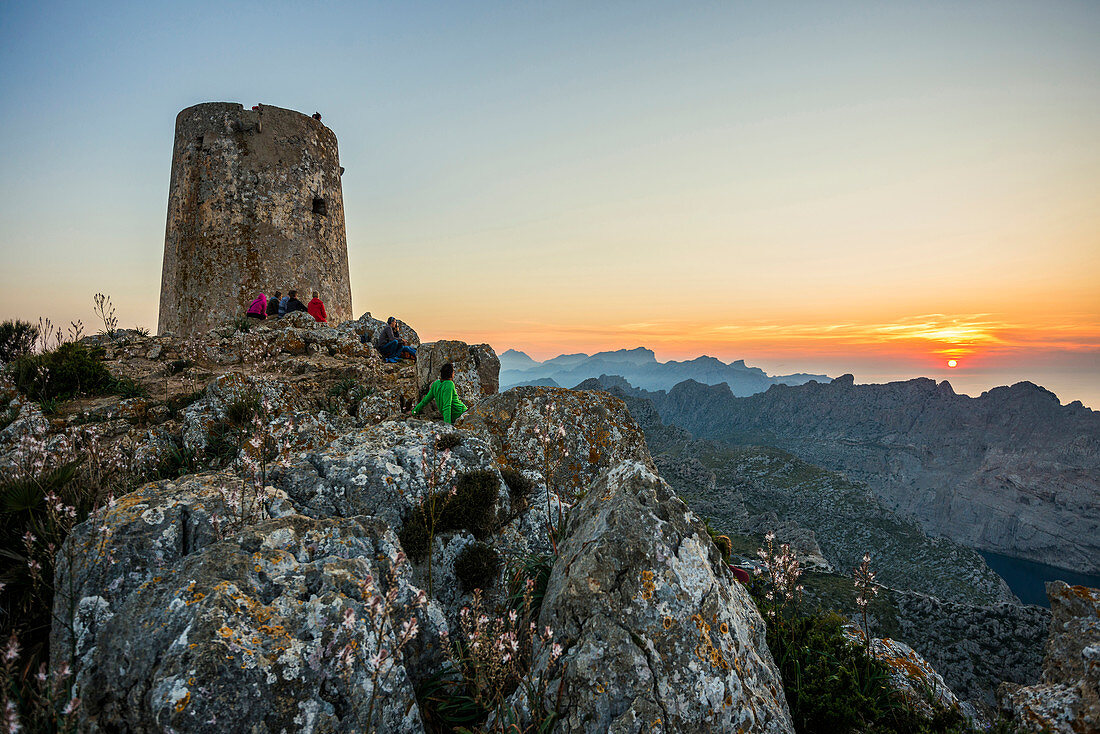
233,600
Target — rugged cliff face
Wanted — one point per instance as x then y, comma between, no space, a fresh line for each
753,490
1012,471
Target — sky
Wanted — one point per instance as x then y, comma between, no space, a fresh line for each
861,187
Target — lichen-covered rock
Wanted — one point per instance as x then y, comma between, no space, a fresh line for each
135,540
1068,697
656,633
19,418
572,435
477,369
241,634
285,411
385,470
910,675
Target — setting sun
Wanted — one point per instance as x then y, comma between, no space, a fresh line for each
952,363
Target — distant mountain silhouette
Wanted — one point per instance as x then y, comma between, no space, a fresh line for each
640,367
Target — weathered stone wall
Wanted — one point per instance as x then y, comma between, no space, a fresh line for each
255,205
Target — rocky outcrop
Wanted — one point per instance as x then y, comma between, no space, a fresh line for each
656,633
385,470
1067,699
215,603
572,436
477,369
177,629
911,676
1012,471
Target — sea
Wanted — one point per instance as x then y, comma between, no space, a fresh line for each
1027,579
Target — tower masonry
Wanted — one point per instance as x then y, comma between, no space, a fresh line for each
255,205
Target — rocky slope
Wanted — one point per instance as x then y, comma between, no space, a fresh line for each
1012,471
284,598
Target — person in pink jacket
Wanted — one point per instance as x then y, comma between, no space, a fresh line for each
258,309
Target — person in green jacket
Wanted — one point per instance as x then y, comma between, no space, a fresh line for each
445,396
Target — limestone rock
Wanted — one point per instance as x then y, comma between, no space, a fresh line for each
585,432
477,369
657,635
384,471
240,634
910,674
1068,697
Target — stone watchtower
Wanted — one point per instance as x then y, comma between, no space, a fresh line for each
255,205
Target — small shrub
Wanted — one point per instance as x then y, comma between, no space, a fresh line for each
472,506
17,339
724,545
177,366
519,486
177,462
448,441
446,705
63,373
476,567
241,411
223,442
414,535
243,324
127,387
528,577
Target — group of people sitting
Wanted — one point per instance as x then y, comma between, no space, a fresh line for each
280,305
388,342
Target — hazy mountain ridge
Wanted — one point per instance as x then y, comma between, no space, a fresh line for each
755,489
641,368
1011,471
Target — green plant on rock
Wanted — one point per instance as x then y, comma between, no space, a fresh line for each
477,566
63,373
17,339
127,387
448,441
528,576
519,486
472,506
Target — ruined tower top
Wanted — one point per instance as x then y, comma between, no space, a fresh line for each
255,205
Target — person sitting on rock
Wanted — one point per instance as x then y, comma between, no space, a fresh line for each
390,345
282,305
316,309
445,395
273,304
293,304
258,308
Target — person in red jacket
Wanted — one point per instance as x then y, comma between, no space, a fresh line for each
316,309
